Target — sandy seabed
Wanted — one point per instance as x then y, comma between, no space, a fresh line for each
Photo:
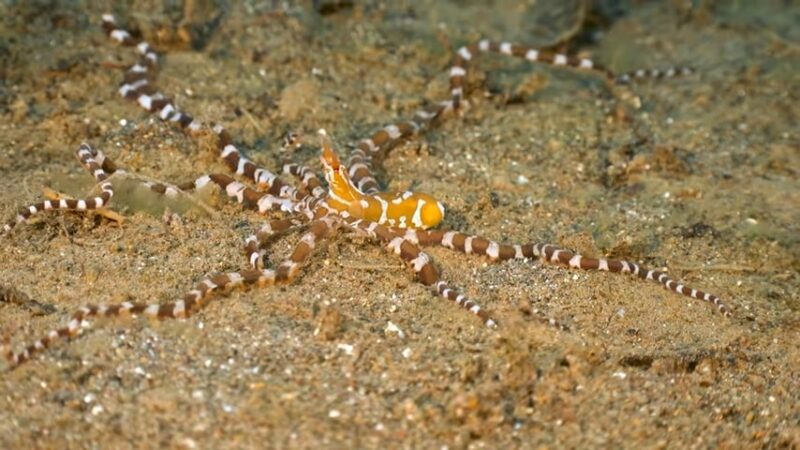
698,175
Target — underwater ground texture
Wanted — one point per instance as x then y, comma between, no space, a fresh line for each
698,175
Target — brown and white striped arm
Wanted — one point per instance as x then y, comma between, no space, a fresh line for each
255,242
265,180
118,34
317,230
95,162
384,140
192,302
423,266
138,86
501,252
309,181
87,204
464,55
643,74
87,156
248,198
101,167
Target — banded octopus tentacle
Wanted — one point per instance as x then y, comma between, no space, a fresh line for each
501,252
641,74
309,180
95,162
247,197
264,179
138,86
384,140
465,54
311,210
192,302
317,230
254,242
84,154
421,263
